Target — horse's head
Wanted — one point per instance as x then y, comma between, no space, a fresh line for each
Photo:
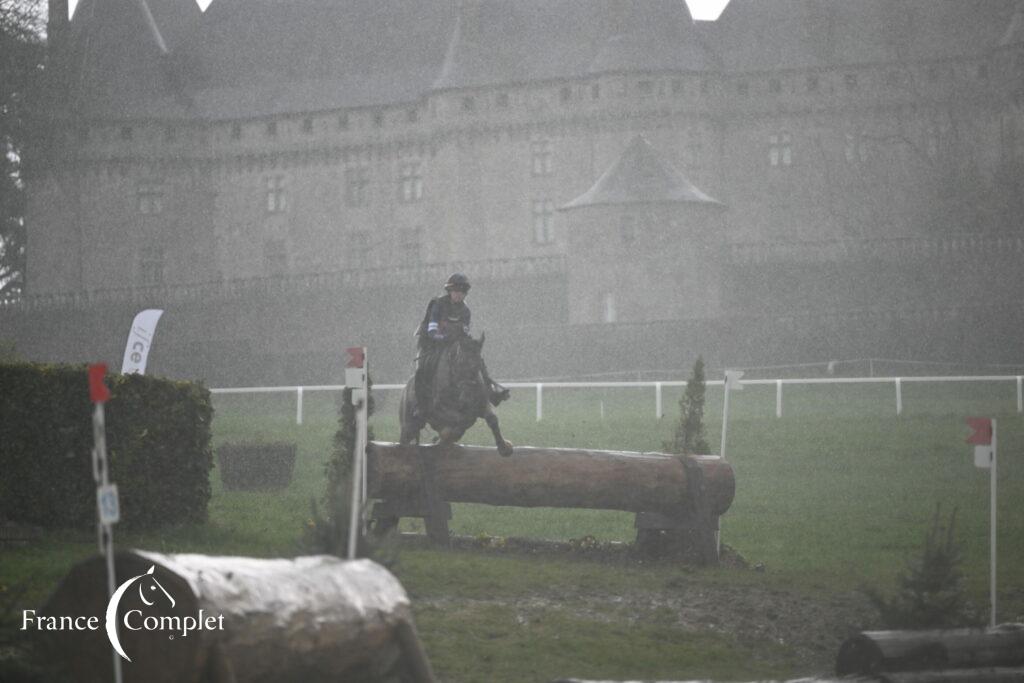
468,361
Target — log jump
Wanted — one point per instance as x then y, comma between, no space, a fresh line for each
231,619
668,492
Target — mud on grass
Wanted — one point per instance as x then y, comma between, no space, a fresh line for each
540,614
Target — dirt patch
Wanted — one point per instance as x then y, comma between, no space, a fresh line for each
809,624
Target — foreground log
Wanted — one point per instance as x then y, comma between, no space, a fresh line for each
553,477
892,651
206,619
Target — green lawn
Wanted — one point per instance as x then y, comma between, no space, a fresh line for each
834,495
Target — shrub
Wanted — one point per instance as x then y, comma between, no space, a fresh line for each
256,466
158,447
689,436
930,592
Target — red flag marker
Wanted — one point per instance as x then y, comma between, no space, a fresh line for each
982,435
98,392
356,357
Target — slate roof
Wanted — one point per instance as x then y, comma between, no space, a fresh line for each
641,176
765,35
252,58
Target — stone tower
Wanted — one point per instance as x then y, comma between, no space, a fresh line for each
643,244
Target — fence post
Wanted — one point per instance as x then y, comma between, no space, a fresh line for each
298,405
1020,397
899,397
658,412
778,398
540,401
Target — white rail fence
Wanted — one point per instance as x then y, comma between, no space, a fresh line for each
658,387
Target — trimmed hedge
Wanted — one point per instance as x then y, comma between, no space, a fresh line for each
158,445
252,466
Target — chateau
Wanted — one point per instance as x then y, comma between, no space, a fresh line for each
798,180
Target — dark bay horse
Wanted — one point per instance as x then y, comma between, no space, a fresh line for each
458,397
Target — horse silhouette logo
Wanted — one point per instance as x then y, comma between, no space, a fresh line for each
115,600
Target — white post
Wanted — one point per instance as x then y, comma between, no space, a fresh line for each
540,401
725,417
1020,396
778,398
658,412
356,378
899,397
106,526
298,406
992,531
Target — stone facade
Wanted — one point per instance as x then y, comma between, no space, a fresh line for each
309,141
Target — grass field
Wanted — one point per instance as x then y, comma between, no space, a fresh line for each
833,496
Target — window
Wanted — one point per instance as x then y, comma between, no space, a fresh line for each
610,314
410,182
151,266
410,241
343,121
743,88
892,78
502,100
565,94
856,150
358,248
275,256
705,86
812,83
780,150
170,134
983,72
629,230
645,88
541,151
236,131
468,104
595,91
543,215
933,73
774,86
150,197
378,119
932,140
126,132
271,128
677,87
357,183
413,115
851,81
276,200
307,125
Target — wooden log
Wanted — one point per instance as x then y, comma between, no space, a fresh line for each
876,651
309,619
553,477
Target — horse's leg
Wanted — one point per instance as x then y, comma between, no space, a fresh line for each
504,447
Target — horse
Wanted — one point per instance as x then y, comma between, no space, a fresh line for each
458,397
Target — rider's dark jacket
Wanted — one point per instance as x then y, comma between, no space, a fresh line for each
445,316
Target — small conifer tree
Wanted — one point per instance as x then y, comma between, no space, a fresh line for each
327,532
930,592
689,437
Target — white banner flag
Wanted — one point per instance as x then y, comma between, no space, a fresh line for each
140,338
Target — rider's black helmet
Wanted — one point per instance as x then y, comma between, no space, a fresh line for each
458,282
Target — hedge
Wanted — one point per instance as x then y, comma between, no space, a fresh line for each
158,445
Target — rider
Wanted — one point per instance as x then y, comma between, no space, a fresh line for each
447,317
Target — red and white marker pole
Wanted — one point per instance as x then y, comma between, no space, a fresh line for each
356,380
984,440
107,504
